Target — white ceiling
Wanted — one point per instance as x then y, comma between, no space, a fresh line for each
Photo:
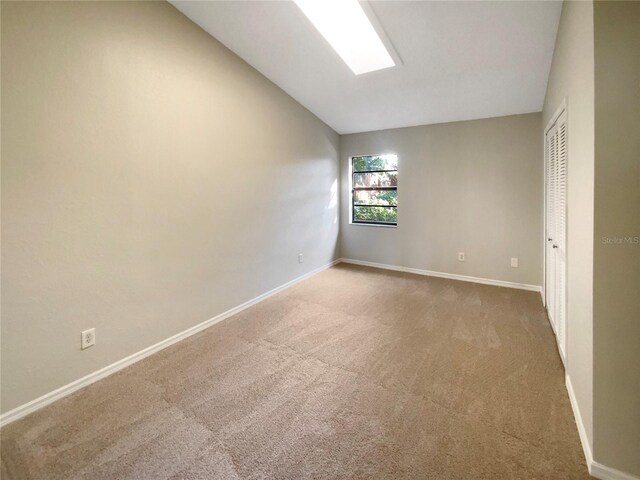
460,60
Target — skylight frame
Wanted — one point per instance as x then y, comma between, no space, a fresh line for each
349,27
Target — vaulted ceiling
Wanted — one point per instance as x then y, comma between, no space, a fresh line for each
460,60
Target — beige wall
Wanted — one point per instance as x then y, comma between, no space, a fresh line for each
616,307
474,187
150,181
571,78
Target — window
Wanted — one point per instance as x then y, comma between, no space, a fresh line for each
374,189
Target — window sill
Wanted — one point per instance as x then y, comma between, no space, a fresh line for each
372,225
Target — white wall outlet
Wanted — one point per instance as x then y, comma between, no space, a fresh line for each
461,256
299,258
88,338
514,262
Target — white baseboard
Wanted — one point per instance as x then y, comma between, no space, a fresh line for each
76,385
607,473
582,432
452,276
596,469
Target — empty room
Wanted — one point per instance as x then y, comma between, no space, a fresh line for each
320,239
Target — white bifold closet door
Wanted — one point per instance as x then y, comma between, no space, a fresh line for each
556,229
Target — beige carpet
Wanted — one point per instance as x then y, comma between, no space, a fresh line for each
354,373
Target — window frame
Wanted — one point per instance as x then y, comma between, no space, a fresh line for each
353,220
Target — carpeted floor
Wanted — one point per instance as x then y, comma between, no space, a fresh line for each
355,373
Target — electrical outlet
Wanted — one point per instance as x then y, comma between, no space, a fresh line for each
514,262
88,338
299,258
461,256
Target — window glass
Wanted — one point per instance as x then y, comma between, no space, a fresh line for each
374,189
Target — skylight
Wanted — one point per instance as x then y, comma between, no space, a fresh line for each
346,27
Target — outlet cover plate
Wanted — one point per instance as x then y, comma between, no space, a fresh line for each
88,338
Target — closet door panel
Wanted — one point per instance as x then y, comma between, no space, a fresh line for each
550,293
560,218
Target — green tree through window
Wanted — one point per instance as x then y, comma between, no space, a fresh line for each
374,193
